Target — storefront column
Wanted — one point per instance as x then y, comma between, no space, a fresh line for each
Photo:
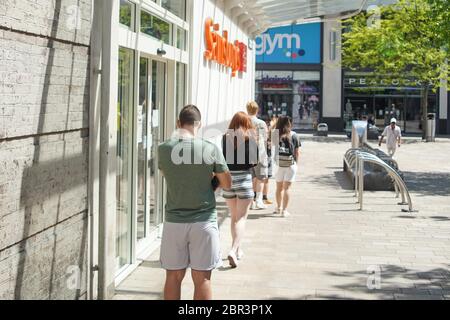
443,109
103,142
332,76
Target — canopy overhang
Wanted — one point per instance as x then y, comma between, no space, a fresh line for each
256,16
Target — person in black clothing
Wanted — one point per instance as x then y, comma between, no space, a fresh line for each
240,150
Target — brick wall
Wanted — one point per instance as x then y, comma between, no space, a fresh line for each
44,105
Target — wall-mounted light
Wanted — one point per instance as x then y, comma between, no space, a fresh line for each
333,39
161,52
250,43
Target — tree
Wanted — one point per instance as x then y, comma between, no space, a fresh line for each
409,40
442,8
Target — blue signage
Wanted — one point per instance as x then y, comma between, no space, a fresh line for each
297,44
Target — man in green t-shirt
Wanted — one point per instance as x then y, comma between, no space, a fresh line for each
191,233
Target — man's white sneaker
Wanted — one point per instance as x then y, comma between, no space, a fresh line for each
285,214
277,211
233,259
253,206
260,205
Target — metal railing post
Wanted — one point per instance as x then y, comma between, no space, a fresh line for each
356,175
356,161
361,182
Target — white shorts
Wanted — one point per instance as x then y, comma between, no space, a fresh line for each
286,174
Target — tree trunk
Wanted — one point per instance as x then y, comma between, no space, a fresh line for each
424,104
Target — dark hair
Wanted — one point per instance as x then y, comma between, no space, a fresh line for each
190,115
284,125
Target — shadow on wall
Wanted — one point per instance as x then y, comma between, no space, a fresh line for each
47,197
45,194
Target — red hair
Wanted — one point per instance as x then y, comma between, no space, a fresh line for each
241,121
242,126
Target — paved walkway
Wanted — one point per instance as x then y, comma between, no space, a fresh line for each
325,249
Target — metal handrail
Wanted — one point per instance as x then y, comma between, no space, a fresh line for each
397,187
367,157
356,164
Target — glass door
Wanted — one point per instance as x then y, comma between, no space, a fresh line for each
158,103
412,119
142,135
141,126
124,180
150,132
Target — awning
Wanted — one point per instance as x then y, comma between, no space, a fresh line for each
256,16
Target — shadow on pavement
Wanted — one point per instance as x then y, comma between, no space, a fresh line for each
339,179
255,216
144,294
428,183
436,218
429,284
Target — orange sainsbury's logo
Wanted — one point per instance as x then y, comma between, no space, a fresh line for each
231,55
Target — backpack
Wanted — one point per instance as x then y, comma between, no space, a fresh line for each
286,152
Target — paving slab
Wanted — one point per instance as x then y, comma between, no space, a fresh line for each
328,249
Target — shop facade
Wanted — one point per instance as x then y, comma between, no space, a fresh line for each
167,53
299,74
86,101
379,99
289,74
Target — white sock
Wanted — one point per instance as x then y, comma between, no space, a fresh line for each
259,197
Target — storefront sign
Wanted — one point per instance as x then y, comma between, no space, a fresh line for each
277,80
276,86
219,49
297,44
371,82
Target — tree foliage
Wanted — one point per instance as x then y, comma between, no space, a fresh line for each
410,39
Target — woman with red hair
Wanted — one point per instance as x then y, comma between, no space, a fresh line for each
240,149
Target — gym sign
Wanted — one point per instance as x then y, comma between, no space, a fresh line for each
225,53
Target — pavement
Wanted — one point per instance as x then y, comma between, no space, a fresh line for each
327,248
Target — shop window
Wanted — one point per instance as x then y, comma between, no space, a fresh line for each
155,27
181,38
127,10
181,84
294,94
177,7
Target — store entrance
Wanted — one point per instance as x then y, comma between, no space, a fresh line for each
141,116
406,109
150,132
277,104
387,108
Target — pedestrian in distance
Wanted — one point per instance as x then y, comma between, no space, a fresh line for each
393,134
240,148
287,156
191,234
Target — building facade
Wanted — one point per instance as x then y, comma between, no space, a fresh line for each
299,74
289,73
44,145
88,89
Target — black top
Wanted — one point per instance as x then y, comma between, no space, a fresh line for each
289,144
240,158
